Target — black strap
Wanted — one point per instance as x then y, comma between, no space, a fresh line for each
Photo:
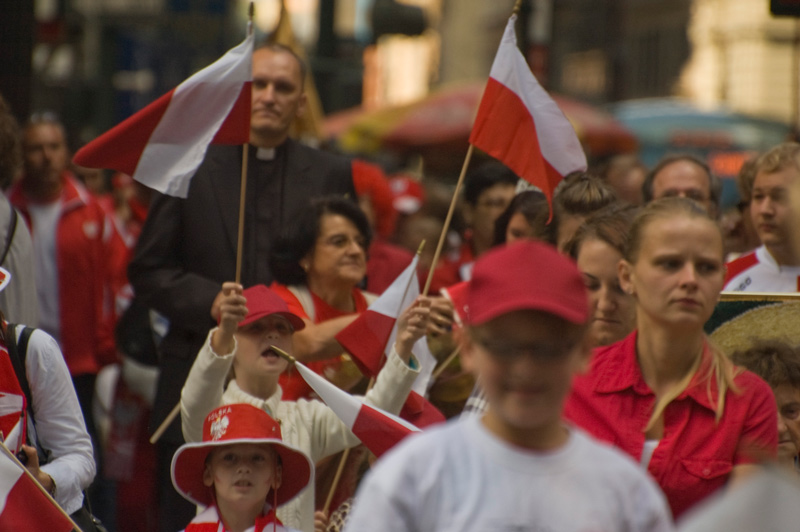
17,353
12,229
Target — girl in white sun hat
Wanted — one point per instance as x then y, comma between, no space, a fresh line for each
241,472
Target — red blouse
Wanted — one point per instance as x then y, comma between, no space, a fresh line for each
696,454
292,384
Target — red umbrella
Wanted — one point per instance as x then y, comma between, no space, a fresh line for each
442,122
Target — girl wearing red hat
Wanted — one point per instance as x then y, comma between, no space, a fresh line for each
241,471
253,320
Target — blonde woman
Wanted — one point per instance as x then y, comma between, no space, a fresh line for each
663,394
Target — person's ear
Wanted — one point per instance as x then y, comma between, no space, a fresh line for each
208,478
277,477
302,104
463,337
625,274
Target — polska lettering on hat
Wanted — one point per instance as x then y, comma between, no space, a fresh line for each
525,275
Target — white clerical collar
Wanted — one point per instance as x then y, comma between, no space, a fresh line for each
265,154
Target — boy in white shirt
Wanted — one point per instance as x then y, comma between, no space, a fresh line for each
519,467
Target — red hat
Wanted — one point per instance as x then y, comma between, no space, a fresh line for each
409,196
526,275
228,425
261,301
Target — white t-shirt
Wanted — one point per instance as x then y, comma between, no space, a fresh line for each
44,229
758,272
459,477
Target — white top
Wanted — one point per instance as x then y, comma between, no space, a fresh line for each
59,422
647,452
44,230
309,426
765,275
459,477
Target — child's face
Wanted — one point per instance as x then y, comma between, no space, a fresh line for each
242,474
525,361
253,356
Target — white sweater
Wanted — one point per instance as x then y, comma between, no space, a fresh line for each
308,425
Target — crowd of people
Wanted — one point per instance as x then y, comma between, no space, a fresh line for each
586,393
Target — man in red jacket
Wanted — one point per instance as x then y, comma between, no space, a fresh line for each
69,231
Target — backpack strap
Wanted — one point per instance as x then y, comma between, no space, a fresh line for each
17,353
12,229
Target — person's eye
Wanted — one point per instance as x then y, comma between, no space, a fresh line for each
669,264
791,412
259,458
708,267
229,458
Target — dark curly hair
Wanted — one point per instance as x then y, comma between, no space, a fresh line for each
299,239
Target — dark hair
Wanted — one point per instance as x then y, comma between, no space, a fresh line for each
774,361
277,47
581,194
610,225
295,243
485,176
714,184
10,146
532,204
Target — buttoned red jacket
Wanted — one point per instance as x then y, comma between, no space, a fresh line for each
81,251
696,453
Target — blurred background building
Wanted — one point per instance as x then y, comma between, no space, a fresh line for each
97,61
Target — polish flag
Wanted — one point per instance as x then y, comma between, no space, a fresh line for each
519,124
23,504
378,430
369,339
162,145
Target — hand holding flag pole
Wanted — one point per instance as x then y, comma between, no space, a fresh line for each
47,516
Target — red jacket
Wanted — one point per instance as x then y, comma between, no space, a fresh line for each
82,255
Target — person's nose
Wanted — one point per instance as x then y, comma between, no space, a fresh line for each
782,429
689,275
606,301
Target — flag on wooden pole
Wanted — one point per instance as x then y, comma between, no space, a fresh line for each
162,145
23,504
519,124
378,430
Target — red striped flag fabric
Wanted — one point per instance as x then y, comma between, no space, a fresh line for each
378,430
162,145
519,124
23,505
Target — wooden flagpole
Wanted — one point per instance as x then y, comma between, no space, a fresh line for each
515,11
8,453
346,454
239,247
447,220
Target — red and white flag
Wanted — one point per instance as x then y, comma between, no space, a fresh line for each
369,339
162,145
519,124
378,430
23,505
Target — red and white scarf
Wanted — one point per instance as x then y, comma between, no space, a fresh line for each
208,521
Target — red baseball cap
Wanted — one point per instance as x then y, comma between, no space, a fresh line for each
261,301
526,275
228,425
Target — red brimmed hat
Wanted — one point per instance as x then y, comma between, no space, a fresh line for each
238,423
261,301
526,275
